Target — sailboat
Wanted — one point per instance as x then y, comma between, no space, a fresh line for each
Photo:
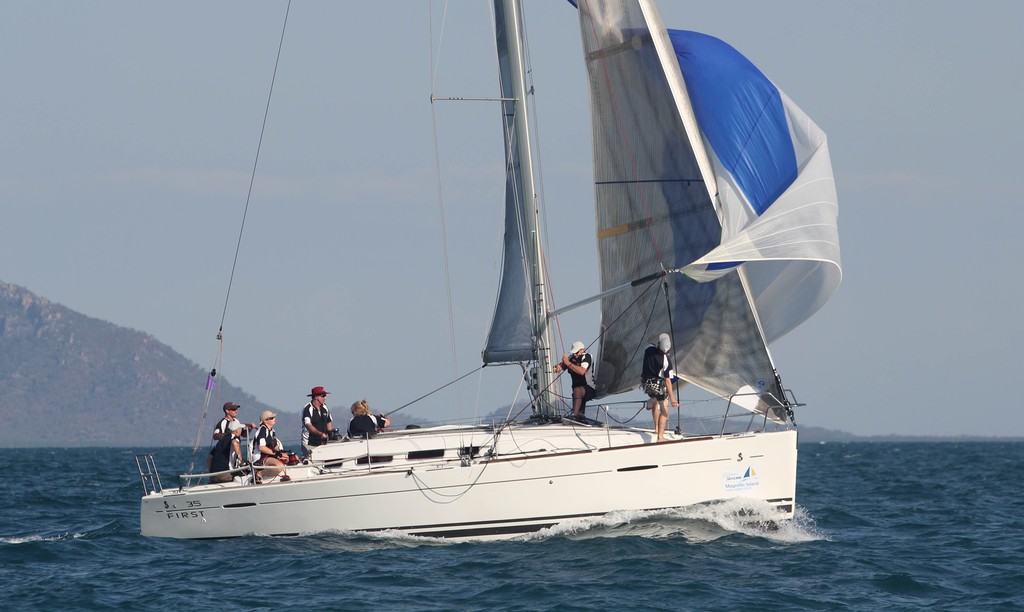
716,223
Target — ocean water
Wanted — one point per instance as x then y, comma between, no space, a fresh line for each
880,526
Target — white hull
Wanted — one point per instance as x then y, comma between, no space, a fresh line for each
537,476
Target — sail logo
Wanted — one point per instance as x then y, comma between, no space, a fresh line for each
741,481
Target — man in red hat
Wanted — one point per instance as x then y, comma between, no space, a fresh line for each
316,421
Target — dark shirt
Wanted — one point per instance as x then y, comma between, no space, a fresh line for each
223,452
364,426
584,379
265,436
656,364
222,426
319,418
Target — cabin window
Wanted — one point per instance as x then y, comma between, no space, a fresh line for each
427,454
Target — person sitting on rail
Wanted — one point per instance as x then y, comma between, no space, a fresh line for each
267,450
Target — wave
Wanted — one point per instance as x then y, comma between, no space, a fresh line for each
700,523
694,524
32,539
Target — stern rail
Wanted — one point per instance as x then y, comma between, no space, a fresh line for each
149,474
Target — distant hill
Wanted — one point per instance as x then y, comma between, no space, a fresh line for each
67,379
71,380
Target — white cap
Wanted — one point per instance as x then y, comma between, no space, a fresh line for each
235,425
576,347
664,343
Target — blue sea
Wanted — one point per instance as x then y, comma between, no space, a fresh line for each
880,526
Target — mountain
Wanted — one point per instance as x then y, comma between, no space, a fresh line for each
71,380
67,379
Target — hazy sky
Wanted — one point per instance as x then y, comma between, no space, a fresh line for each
129,131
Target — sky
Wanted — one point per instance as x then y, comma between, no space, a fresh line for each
130,131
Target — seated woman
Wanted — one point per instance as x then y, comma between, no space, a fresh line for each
227,454
364,424
267,449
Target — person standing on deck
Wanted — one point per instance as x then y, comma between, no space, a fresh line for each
316,421
579,362
656,382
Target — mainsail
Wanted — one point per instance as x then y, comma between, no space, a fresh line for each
712,182
511,337
519,330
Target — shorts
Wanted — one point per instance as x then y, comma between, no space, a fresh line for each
654,388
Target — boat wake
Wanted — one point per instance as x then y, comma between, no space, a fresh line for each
359,541
700,523
696,524
30,539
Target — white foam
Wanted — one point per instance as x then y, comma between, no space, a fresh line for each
39,538
700,523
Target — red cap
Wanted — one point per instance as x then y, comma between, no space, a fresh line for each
318,391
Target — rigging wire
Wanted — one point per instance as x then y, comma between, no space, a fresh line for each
210,386
255,163
425,395
211,378
672,338
440,200
612,324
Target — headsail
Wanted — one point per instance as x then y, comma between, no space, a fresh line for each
689,178
774,180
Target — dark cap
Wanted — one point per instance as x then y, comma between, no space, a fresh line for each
231,406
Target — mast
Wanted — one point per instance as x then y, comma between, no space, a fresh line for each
541,376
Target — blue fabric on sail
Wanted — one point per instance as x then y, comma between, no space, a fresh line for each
741,115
